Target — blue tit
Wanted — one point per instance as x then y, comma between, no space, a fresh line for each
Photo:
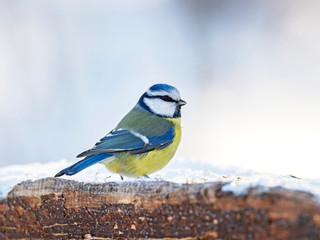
144,141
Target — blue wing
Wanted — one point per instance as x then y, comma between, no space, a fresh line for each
157,142
123,140
120,140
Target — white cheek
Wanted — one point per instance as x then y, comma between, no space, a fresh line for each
160,107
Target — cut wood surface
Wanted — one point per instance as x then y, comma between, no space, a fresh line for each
63,209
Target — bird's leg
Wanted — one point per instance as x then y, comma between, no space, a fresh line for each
121,177
146,176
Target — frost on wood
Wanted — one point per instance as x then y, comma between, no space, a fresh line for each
63,209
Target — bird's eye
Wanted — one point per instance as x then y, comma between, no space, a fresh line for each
166,98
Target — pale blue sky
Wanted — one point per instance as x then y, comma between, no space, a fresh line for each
249,70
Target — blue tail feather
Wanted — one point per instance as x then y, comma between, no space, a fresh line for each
79,166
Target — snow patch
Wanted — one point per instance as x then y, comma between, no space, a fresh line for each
178,171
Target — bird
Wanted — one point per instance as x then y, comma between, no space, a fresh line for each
144,141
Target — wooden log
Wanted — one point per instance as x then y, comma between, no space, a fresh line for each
63,209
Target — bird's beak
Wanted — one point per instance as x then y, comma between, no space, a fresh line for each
181,102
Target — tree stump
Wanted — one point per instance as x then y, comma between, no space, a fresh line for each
63,209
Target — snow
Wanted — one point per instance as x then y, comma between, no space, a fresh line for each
178,170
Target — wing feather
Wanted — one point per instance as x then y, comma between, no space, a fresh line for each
123,140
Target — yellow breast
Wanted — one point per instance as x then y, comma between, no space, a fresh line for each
143,164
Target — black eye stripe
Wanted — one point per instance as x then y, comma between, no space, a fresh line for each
167,98
164,98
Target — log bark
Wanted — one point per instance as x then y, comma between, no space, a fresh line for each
54,208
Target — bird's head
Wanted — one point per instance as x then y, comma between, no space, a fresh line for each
162,100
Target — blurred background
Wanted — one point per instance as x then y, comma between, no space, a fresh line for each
249,70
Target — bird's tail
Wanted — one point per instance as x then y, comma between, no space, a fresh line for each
79,166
